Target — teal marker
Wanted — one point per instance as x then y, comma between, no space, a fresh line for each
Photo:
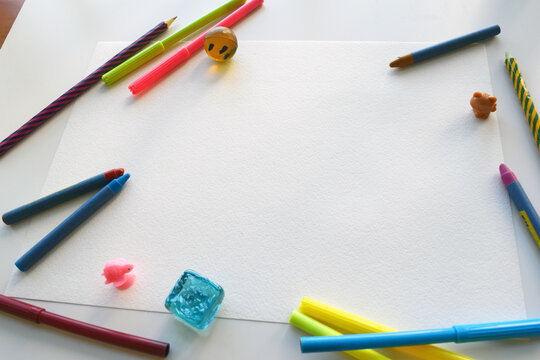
52,239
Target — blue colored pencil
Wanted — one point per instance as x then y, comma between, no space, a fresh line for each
46,244
47,202
456,333
446,46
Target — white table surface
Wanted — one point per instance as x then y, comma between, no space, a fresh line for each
48,49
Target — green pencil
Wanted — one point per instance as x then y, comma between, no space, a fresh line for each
151,52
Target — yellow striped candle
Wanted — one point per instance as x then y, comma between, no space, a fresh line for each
524,97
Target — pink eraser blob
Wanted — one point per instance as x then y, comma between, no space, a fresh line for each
116,272
127,282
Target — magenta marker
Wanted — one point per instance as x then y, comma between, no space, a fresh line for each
523,204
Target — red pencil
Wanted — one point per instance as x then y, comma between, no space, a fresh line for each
40,315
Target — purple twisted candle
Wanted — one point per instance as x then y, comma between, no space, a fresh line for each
81,87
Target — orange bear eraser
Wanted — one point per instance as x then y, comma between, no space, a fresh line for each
483,104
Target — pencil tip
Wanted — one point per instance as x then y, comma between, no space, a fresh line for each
170,21
402,61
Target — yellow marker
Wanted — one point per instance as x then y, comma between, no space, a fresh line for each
313,327
352,324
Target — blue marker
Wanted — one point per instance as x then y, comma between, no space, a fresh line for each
457,334
446,46
523,204
26,261
47,202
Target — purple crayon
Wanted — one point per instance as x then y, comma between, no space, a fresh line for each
82,86
523,204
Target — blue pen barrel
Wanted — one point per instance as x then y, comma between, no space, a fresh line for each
496,331
458,334
52,239
456,43
49,201
375,340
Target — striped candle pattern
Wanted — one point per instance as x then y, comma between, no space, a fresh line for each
524,97
78,89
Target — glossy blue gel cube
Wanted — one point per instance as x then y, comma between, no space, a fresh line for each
195,299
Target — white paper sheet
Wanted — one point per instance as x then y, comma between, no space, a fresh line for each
296,169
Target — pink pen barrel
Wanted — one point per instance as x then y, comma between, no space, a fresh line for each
239,13
153,76
168,65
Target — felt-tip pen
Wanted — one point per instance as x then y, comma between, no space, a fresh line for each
456,333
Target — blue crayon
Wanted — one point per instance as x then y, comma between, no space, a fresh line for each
457,334
523,204
26,261
446,46
47,202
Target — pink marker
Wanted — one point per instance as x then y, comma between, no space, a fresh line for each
169,64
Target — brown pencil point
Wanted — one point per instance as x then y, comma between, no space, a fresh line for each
170,21
402,61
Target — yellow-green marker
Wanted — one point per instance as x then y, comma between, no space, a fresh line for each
148,54
313,327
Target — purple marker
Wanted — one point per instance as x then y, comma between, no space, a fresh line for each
523,204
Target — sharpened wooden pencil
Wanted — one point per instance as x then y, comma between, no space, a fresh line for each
81,87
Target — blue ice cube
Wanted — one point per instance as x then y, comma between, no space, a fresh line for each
194,299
